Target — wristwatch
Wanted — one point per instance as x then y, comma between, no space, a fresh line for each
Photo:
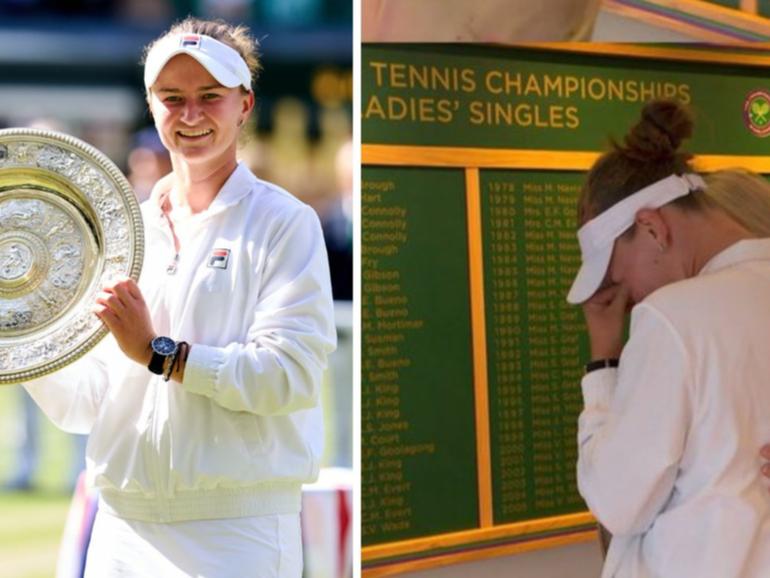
162,348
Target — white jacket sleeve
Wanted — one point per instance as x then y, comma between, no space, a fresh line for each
279,368
632,432
71,397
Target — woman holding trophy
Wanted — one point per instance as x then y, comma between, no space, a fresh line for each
202,404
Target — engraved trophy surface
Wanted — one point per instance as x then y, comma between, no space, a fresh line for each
69,222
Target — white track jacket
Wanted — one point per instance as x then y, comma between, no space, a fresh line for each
242,433
669,442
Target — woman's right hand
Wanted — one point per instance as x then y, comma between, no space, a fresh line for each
605,314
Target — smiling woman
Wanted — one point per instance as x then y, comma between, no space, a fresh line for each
203,405
198,118
198,79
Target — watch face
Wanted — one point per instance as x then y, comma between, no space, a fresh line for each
163,345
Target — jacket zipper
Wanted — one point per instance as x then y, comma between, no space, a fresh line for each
173,265
157,430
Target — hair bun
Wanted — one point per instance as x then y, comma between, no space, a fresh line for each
659,133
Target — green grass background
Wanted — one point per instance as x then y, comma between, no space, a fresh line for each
31,523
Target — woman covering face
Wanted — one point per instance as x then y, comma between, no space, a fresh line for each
670,434
202,405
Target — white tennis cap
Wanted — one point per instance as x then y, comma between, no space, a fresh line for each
223,62
597,236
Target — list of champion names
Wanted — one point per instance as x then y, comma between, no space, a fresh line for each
386,324
534,341
408,322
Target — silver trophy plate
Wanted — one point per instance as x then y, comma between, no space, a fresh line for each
69,223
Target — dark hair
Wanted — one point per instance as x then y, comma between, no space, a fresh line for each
237,37
649,153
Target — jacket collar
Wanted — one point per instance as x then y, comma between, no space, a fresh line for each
238,185
742,251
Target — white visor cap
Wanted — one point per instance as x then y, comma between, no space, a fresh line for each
597,237
223,62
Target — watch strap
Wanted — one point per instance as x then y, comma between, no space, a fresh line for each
156,363
601,364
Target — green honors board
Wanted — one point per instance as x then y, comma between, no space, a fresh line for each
420,459
418,439
473,158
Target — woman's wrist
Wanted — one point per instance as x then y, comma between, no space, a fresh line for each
605,337
605,350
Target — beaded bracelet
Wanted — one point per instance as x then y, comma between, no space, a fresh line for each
174,362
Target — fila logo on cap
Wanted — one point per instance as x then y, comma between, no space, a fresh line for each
193,40
219,258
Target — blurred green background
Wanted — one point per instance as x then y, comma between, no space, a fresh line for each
32,522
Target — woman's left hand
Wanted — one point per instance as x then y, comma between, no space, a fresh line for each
121,307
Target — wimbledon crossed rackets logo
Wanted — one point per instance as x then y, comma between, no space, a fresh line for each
756,112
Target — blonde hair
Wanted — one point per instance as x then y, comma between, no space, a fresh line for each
237,37
744,196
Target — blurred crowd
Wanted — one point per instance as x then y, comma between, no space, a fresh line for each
149,13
